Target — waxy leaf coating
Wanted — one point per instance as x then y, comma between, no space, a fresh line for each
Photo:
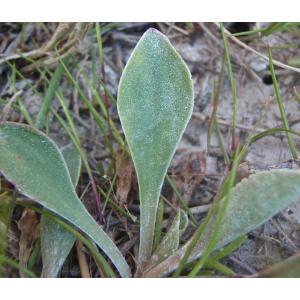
155,102
33,162
254,201
56,241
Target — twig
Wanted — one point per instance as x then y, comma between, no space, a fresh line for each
175,27
203,118
29,54
279,228
236,58
7,107
245,46
242,264
84,268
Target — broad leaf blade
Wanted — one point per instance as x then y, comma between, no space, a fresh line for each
254,201
155,102
33,162
56,241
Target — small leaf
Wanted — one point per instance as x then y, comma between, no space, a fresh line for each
33,162
254,201
56,241
155,101
170,242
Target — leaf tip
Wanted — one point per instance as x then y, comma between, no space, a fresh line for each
154,32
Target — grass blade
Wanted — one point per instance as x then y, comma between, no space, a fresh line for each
291,144
49,96
232,82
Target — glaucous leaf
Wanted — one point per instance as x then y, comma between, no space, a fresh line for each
170,241
155,102
254,201
34,164
56,241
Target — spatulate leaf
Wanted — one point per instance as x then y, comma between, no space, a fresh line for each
56,241
254,201
33,162
155,101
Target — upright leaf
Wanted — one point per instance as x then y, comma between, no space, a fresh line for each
155,102
170,242
57,242
254,200
33,162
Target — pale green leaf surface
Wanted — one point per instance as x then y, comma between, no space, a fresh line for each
56,241
170,241
33,162
253,202
155,101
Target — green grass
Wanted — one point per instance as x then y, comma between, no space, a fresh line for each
14,264
225,190
213,119
232,83
271,29
291,144
50,92
21,105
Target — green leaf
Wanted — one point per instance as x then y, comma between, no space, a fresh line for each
56,241
170,242
33,162
254,201
155,101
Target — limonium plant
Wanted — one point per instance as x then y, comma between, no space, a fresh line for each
155,103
